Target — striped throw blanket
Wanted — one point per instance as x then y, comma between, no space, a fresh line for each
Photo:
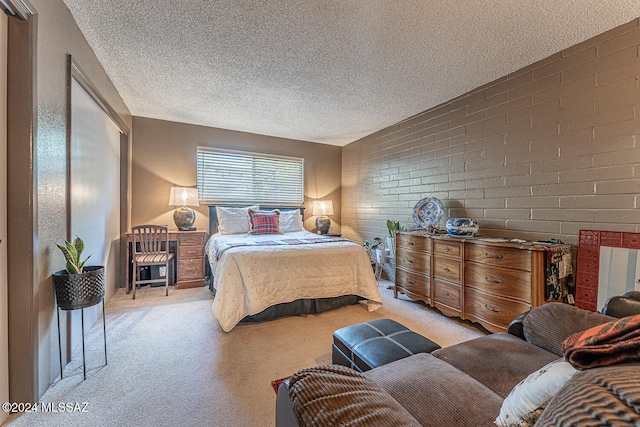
608,344
219,247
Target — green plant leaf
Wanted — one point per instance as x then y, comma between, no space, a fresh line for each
72,268
78,244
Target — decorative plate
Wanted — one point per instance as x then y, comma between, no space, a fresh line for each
428,212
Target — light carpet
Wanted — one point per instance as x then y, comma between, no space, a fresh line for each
170,364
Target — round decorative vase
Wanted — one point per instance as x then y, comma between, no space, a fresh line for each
322,224
462,226
74,291
184,217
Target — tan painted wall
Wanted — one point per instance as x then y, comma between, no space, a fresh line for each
541,153
57,36
164,155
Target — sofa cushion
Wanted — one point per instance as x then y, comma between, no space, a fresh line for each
527,400
549,325
337,395
499,361
437,394
597,397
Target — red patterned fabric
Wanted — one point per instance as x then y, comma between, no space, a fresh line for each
603,345
264,222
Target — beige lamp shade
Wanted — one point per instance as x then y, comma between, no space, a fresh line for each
184,217
183,196
323,207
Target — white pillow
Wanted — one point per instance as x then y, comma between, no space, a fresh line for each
291,221
526,402
234,220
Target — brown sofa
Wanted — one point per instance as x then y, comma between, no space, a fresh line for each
466,384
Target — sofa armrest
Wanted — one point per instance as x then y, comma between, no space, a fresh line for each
548,325
623,306
284,407
516,327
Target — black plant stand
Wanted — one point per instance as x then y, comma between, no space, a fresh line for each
104,334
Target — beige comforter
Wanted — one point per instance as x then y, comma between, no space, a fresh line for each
249,279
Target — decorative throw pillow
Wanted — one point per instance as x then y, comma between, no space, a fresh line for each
264,222
234,220
291,221
526,402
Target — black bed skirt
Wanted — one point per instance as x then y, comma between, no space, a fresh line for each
301,307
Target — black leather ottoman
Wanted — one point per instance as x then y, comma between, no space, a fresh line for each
371,344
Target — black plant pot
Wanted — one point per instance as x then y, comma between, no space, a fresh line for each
74,291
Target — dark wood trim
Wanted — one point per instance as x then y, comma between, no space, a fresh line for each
81,77
22,233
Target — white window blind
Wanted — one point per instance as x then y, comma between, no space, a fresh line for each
237,177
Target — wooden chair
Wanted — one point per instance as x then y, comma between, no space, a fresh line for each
150,247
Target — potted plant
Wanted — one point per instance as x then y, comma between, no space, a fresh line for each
377,245
77,286
393,227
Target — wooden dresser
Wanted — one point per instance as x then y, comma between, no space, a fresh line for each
485,281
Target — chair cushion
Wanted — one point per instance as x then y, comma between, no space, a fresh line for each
153,258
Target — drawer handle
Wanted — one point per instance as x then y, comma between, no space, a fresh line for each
411,243
446,248
497,310
412,261
409,281
486,278
446,269
488,255
446,293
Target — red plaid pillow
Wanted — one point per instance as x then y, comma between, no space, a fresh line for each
264,222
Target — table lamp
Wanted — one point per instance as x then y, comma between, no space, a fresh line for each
323,208
184,217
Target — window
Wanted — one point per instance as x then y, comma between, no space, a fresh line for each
236,177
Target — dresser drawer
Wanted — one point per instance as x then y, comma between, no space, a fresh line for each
446,293
447,268
413,283
415,261
490,255
448,248
414,243
191,239
190,251
501,281
190,269
494,312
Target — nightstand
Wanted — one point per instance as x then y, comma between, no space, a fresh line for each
190,259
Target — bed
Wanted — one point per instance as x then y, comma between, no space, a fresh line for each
285,271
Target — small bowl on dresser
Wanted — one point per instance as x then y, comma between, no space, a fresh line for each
462,227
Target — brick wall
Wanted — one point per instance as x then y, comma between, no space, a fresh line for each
541,153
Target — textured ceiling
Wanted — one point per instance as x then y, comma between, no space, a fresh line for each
326,71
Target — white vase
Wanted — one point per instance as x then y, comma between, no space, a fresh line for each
381,256
391,245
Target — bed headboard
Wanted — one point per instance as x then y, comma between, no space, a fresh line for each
213,216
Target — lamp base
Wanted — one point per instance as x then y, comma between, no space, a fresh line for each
184,218
322,224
